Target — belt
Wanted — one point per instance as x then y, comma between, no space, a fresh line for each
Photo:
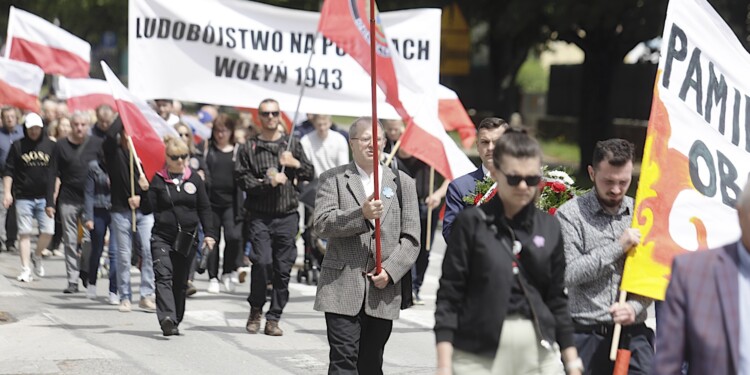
607,329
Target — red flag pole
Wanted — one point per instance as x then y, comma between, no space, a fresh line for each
375,143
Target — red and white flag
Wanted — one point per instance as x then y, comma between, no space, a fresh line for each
142,124
346,23
20,84
84,94
454,117
34,40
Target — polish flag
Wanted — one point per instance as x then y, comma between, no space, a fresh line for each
34,40
346,23
20,84
141,123
454,117
83,94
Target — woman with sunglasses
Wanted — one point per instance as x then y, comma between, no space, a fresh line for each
502,307
225,198
177,197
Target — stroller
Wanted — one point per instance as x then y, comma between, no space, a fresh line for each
315,247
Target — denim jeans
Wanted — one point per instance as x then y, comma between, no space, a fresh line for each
29,209
102,221
122,225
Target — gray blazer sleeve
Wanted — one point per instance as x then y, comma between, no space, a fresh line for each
330,220
404,256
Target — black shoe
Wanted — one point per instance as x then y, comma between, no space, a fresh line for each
72,288
169,328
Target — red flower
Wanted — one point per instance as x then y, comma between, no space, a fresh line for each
552,210
478,198
558,187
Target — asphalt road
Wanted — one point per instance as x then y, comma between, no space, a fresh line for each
55,333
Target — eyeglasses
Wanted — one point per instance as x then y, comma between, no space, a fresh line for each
178,157
269,113
367,140
515,180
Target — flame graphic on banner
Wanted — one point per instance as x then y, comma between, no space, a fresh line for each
664,174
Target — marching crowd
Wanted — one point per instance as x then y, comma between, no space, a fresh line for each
521,291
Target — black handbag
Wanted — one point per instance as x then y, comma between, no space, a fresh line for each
184,242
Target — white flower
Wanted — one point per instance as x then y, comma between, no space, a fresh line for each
561,176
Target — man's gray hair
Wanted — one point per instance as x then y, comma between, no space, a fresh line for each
359,125
81,115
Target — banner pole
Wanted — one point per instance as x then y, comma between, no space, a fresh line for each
132,184
299,100
375,143
390,157
617,331
429,211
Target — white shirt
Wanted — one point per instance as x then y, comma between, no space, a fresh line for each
485,171
325,153
368,183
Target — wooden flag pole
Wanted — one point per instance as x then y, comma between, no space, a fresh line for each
618,330
390,157
429,210
375,143
132,182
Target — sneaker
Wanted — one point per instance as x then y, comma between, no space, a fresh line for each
25,275
46,253
91,291
228,283
191,289
114,299
57,253
72,288
169,327
38,267
147,303
242,275
416,300
272,328
253,321
213,286
125,306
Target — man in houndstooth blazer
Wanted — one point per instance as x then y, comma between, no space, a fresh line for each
360,306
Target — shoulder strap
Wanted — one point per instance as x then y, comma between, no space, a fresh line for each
176,217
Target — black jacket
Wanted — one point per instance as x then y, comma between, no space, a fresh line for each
238,198
118,167
190,202
475,286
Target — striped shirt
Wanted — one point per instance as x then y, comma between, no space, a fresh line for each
595,259
251,173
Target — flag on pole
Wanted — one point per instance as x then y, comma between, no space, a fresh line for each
142,124
83,94
20,84
34,40
454,117
346,24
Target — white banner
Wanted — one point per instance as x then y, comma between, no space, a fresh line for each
238,53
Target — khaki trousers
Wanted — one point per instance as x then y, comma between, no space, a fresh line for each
520,353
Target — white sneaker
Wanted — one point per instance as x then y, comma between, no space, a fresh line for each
38,267
125,306
213,286
235,277
228,283
57,253
46,253
91,291
114,299
25,275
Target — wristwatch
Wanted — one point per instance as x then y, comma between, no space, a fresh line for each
576,364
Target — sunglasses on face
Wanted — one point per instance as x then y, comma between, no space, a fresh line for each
515,180
178,157
269,113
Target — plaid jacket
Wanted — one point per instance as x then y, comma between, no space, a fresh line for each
343,286
699,321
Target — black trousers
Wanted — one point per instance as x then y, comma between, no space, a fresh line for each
357,343
224,218
171,274
423,259
593,348
273,240
11,227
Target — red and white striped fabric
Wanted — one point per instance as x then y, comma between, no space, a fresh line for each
145,127
34,40
454,117
20,84
83,94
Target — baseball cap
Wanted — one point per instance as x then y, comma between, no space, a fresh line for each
32,119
